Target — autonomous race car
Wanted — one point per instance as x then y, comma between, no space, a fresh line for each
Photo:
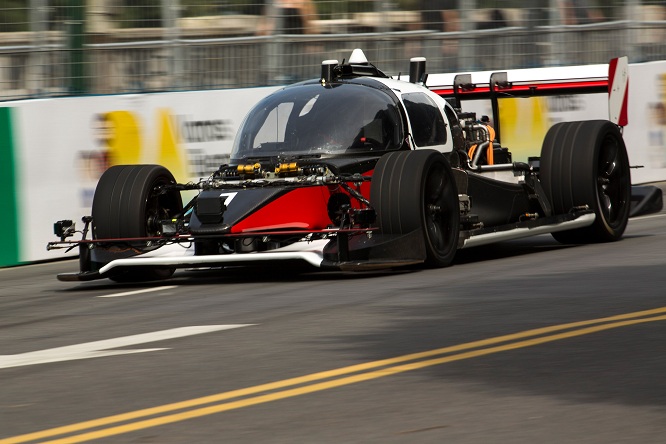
356,170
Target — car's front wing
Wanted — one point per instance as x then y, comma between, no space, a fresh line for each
313,252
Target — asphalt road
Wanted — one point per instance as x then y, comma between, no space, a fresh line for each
522,342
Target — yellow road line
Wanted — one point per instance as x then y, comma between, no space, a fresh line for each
607,323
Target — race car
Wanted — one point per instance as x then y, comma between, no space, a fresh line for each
357,170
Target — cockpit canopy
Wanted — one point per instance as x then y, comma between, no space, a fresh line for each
310,119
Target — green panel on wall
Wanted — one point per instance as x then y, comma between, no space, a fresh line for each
9,241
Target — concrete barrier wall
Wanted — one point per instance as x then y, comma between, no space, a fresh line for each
53,151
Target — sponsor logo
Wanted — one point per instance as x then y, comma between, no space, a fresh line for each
563,104
198,131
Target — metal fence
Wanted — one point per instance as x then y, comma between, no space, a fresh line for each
70,51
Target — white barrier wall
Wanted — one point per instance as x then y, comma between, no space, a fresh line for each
645,135
61,146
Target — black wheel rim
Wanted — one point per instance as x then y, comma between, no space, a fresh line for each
612,181
154,214
159,206
439,209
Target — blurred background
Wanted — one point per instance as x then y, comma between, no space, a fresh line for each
52,48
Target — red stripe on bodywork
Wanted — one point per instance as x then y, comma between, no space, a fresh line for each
623,120
612,68
300,208
531,89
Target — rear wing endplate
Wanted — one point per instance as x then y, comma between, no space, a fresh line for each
618,91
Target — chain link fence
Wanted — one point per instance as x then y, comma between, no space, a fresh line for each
52,48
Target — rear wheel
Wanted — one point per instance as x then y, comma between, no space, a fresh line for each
586,163
126,205
415,190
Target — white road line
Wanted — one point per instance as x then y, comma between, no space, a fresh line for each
99,349
145,290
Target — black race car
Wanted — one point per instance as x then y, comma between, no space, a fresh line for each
356,171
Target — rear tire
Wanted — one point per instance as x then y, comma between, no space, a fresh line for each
125,205
415,190
586,163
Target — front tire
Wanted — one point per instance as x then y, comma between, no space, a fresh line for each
126,205
586,163
415,190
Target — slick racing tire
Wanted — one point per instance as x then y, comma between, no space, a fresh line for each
586,163
125,205
415,190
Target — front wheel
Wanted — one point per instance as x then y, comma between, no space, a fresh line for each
128,204
586,163
415,190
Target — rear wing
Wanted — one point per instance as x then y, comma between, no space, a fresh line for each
612,79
